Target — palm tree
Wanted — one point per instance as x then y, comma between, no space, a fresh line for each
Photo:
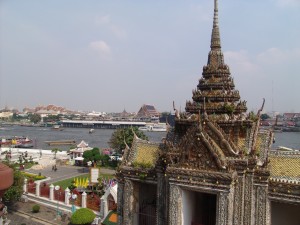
55,150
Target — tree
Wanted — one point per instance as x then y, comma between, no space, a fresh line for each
264,116
51,118
55,150
16,190
92,155
35,118
117,138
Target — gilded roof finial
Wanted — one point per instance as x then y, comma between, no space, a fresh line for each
215,35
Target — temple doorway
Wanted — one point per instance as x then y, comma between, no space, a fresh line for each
284,213
146,205
198,208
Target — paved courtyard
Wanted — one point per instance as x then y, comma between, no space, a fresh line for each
65,172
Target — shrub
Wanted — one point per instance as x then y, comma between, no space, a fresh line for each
33,176
13,193
35,208
83,216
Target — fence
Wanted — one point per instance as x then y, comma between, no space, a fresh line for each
44,190
31,188
83,200
93,202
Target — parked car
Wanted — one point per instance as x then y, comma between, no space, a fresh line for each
117,157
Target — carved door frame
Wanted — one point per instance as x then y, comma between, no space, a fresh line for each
223,208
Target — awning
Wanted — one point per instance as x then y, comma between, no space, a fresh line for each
79,158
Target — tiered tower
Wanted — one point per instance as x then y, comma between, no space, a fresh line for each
216,95
216,90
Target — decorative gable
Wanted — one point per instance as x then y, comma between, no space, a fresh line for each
197,150
142,153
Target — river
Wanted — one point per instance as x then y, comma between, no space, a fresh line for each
100,137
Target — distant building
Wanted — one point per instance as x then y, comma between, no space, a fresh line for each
291,116
6,115
147,112
48,110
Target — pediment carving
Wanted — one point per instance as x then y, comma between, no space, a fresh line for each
195,151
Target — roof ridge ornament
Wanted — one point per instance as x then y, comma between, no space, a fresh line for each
134,134
215,35
126,145
254,138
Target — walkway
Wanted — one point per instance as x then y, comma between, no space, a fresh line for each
20,213
65,172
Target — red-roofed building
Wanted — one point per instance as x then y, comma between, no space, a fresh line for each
291,116
147,111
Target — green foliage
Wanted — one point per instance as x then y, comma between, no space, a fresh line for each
264,116
92,155
16,190
35,208
70,181
72,187
142,176
229,108
253,116
33,176
51,118
35,118
13,193
104,159
143,165
83,216
117,138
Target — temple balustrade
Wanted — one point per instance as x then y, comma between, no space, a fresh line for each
39,190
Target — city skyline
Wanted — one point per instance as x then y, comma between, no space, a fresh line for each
110,56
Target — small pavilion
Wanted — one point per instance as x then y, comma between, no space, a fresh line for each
77,153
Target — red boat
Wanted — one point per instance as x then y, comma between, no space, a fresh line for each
15,141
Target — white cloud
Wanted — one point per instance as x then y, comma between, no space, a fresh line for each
241,61
118,32
277,56
106,22
102,19
101,46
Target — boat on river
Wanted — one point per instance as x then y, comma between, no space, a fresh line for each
15,141
159,127
61,142
57,127
91,131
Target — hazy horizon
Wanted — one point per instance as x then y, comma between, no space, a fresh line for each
115,55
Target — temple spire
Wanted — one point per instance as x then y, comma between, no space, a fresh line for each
215,35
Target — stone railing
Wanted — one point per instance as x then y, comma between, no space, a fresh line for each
51,200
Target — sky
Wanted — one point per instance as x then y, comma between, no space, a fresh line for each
103,55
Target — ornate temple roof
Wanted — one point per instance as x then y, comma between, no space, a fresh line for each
215,132
216,90
142,153
285,166
147,111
